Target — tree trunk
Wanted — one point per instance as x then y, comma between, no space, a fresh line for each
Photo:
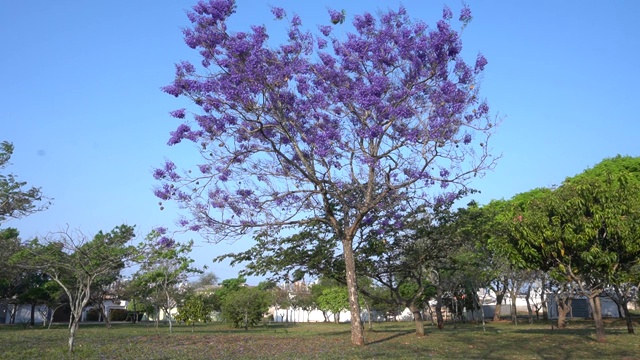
594,302
543,301
357,332
33,315
627,317
514,308
73,327
439,317
417,318
564,307
496,313
529,309
103,312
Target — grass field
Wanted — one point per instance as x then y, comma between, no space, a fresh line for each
321,341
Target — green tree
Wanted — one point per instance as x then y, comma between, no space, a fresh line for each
74,262
334,299
197,307
585,231
15,200
165,267
244,306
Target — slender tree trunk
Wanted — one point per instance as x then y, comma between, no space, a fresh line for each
543,301
73,327
596,309
529,309
564,307
103,312
417,318
33,315
498,309
627,316
514,308
357,332
439,317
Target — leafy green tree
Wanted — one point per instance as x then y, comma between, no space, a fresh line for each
585,232
334,299
15,200
74,262
244,306
165,267
197,307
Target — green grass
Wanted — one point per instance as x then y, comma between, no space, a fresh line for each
322,341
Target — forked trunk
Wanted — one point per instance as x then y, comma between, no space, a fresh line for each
417,318
529,309
357,332
73,328
594,302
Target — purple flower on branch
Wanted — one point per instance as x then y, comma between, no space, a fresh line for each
178,114
465,15
278,12
337,17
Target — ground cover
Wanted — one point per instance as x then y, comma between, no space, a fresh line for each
502,340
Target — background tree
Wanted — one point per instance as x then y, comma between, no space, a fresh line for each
310,132
15,200
586,231
197,307
333,299
74,262
165,266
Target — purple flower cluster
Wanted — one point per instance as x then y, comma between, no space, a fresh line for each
284,129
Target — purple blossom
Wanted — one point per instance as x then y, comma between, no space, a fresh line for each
166,242
296,21
465,14
158,174
481,62
325,29
444,173
446,13
178,114
161,230
278,12
337,17
183,222
179,134
467,139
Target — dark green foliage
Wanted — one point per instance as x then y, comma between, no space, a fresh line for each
15,200
244,307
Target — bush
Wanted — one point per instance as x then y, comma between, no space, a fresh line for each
118,314
244,307
93,315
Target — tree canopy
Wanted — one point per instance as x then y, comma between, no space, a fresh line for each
347,131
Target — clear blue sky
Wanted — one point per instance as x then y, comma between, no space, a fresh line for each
80,96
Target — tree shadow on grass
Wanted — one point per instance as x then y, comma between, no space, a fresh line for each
394,336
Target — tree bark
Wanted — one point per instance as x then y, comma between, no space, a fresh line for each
357,332
73,327
627,317
439,317
564,306
529,309
596,309
417,318
498,309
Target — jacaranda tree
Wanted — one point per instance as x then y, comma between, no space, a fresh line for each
323,128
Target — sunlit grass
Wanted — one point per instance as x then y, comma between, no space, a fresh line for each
322,341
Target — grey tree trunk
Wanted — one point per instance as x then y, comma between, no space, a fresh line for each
417,318
357,332
596,309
